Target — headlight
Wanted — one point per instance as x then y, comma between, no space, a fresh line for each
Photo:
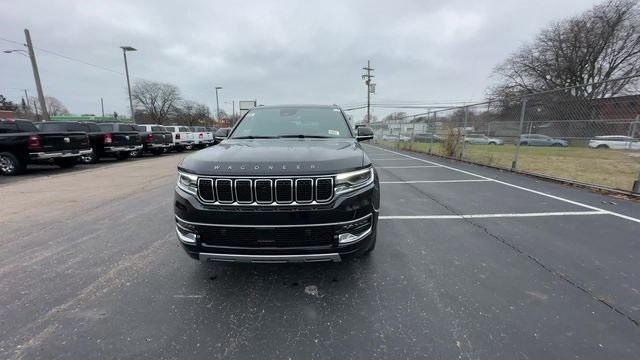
353,180
188,182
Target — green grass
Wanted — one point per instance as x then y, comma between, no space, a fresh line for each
612,168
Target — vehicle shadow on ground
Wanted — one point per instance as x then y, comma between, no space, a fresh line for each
316,279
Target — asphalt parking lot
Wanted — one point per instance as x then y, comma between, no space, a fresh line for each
471,263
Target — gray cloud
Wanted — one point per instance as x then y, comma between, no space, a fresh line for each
277,52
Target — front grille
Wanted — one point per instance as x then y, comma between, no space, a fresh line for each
264,191
268,237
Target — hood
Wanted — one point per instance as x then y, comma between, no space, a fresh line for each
274,157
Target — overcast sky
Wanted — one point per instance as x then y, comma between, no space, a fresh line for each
275,51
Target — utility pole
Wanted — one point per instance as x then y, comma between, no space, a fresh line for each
102,107
367,80
26,99
35,107
126,70
217,103
36,76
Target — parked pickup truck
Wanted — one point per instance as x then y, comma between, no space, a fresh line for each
182,137
122,139
618,142
156,139
202,136
21,143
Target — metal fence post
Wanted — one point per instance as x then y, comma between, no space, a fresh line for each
514,164
432,131
464,130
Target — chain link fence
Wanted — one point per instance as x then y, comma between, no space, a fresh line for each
571,134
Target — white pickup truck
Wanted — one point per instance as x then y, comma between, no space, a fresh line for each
617,142
182,137
202,136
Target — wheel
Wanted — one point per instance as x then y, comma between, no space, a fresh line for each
492,143
189,147
122,155
524,143
10,164
66,163
602,146
556,145
91,158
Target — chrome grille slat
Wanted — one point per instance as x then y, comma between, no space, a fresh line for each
264,191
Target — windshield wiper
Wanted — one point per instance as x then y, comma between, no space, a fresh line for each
302,136
254,137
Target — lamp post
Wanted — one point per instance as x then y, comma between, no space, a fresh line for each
126,70
217,103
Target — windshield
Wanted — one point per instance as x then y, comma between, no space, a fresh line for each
293,122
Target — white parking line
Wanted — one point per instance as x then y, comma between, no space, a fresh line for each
433,181
407,167
484,216
622,216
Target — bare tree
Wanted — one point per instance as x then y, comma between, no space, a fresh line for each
157,99
601,44
192,113
54,106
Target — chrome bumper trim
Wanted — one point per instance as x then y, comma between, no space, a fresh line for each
272,225
358,238
335,257
159,145
123,148
52,155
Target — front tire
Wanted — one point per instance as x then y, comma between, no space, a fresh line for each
122,155
66,163
10,164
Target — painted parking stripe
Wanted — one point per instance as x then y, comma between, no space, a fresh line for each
486,216
622,216
398,159
434,181
407,167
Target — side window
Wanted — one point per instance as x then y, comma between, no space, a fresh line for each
6,128
26,126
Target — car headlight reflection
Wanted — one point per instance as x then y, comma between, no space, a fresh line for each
353,180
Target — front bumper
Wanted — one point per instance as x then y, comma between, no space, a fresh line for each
58,154
159,146
328,232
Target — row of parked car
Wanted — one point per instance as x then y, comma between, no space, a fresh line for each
66,143
599,142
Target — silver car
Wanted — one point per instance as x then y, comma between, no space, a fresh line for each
482,139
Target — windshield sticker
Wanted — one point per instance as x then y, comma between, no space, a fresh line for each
334,132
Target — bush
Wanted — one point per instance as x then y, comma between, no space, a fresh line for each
452,142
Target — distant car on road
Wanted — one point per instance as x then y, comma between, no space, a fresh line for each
618,142
220,135
542,140
391,137
121,139
427,137
22,143
202,137
182,137
482,139
155,138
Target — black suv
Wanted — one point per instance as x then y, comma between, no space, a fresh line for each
288,184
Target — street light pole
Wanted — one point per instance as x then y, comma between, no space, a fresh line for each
126,70
36,76
217,103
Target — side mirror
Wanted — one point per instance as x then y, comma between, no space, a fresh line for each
222,134
364,133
